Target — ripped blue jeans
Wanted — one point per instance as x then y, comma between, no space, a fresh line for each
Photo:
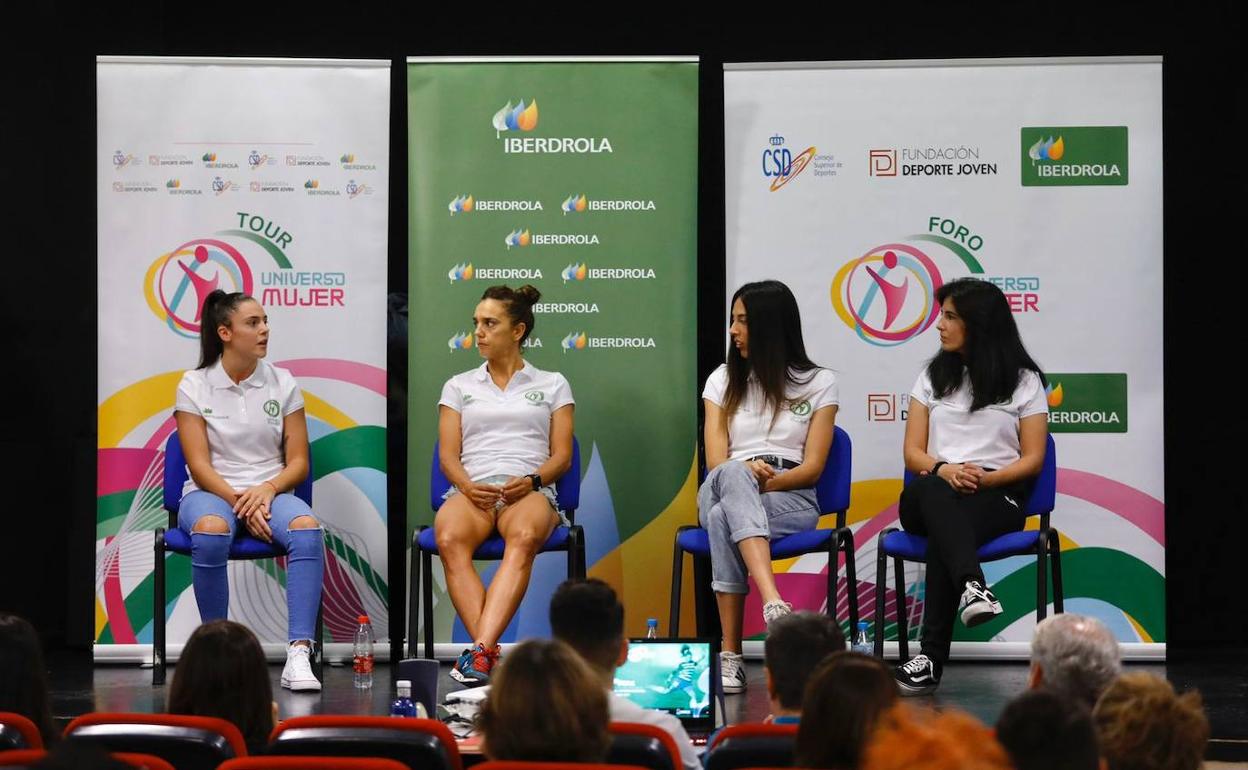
305,561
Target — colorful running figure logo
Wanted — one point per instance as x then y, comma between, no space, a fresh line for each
176,294
860,283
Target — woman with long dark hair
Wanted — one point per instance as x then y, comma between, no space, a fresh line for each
505,437
23,676
976,436
222,673
770,415
242,428
844,700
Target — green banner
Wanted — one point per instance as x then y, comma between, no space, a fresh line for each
1087,403
1066,156
579,177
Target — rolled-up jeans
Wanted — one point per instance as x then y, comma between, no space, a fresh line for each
731,508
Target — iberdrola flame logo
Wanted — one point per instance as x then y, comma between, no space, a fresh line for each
461,272
1055,395
574,204
461,205
518,118
574,272
518,238
1047,149
574,341
460,342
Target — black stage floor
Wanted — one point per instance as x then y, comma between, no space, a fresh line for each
981,688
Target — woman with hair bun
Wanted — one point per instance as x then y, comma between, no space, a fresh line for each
243,431
505,437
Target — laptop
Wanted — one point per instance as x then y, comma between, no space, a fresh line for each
679,676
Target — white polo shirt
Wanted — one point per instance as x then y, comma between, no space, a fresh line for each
505,432
245,420
751,431
988,437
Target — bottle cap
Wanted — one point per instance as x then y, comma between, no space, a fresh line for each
362,619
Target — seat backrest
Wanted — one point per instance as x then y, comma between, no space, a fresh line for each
633,743
833,485
313,763
1044,488
143,761
567,488
421,744
24,758
534,765
753,745
176,475
18,732
187,743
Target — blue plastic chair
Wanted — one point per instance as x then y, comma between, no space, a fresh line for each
174,540
570,539
901,546
832,489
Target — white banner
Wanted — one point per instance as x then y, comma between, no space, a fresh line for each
1042,176
262,176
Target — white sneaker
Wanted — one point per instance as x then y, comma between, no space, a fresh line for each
773,611
732,672
297,675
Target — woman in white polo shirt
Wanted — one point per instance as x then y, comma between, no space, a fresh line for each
242,428
505,437
770,415
976,435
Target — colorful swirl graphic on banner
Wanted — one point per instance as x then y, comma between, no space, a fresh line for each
129,508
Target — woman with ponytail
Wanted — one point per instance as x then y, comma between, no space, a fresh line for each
505,437
243,431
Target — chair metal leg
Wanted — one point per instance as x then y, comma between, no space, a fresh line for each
903,632
1042,576
426,570
413,595
1055,559
158,611
318,644
706,611
846,539
881,580
678,564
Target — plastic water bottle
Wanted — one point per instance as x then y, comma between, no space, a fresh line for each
862,639
403,705
652,628
363,654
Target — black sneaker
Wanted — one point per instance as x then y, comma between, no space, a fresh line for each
919,676
978,605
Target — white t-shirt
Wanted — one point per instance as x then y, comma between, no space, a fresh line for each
624,710
505,432
245,420
987,437
751,431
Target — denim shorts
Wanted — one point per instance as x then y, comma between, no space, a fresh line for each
547,491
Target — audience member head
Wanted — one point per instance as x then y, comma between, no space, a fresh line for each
1042,729
845,698
545,704
1143,724
23,676
587,616
795,645
1074,656
914,739
222,673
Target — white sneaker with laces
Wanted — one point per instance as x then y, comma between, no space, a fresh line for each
978,604
297,675
773,611
732,672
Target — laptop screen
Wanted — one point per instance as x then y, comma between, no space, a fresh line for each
672,675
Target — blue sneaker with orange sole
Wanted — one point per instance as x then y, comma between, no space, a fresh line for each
475,664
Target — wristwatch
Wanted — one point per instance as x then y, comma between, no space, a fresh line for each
936,467
536,479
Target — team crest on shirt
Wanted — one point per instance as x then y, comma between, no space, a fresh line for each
799,408
467,399
271,407
535,397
